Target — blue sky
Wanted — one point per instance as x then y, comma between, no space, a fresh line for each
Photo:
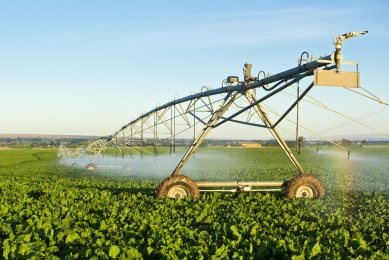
89,67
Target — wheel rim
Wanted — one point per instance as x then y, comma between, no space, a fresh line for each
90,167
305,192
177,192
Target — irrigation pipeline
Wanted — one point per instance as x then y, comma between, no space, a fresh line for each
145,125
307,68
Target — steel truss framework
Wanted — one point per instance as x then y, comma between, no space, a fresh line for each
206,110
238,102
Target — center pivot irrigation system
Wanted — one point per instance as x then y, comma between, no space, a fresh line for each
236,102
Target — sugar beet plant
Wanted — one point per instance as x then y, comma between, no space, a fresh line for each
52,211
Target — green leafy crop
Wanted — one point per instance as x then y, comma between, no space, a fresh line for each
52,211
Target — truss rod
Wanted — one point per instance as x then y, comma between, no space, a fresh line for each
257,101
262,114
286,118
319,104
305,128
196,117
246,123
376,99
150,126
223,107
294,104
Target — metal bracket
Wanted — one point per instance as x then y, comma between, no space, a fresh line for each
332,60
337,78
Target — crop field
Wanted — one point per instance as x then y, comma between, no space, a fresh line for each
50,210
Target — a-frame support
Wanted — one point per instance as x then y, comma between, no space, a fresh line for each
266,120
216,116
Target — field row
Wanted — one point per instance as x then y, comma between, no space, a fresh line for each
52,211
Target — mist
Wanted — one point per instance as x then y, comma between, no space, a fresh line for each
356,156
160,166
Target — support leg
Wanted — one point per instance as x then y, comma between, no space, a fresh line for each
216,116
264,117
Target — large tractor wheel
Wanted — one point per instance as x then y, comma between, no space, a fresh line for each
304,186
177,187
91,166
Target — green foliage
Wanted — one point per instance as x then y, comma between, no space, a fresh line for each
50,211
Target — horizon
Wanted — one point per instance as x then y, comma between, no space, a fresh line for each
354,138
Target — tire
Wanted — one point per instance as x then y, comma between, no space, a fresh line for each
91,166
178,187
304,186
